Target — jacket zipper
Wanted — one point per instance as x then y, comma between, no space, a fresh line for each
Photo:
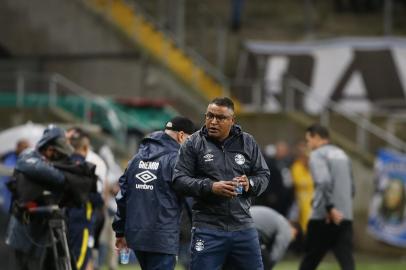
225,173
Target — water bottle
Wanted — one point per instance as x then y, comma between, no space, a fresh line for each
124,255
239,188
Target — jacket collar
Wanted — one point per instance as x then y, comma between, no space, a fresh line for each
234,131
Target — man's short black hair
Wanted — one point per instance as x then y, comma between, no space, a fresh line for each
224,102
317,129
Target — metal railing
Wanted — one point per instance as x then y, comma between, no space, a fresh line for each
364,128
196,56
290,95
55,86
198,60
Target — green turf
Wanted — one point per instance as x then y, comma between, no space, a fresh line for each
398,265
293,264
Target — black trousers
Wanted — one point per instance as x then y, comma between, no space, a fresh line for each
322,237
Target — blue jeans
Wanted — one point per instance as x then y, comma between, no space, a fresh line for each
212,249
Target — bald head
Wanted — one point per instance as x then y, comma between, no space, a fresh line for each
21,145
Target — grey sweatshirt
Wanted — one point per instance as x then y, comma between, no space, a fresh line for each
272,224
334,186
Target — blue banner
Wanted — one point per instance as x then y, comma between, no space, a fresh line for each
387,217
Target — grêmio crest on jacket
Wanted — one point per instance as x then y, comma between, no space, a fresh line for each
239,159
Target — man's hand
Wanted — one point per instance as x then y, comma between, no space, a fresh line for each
243,180
121,243
225,188
335,216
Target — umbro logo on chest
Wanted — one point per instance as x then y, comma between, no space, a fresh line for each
208,157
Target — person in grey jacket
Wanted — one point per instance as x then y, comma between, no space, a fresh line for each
275,234
222,168
330,226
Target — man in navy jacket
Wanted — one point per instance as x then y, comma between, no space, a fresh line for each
148,210
211,165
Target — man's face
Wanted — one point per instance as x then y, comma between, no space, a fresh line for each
219,120
52,154
312,141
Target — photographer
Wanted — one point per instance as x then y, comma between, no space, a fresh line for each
45,178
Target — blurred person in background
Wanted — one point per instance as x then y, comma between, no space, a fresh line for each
222,168
9,160
80,140
82,221
148,210
330,225
279,195
275,234
111,188
303,184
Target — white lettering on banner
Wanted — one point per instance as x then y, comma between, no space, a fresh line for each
276,67
148,165
355,73
326,75
400,61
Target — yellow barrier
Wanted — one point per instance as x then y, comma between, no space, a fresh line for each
162,48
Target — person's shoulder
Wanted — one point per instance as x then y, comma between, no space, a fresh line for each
194,139
30,153
316,154
247,135
248,139
335,152
95,158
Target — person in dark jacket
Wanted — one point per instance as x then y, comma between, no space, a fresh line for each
148,210
43,177
28,236
212,166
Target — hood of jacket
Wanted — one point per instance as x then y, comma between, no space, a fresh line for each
157,144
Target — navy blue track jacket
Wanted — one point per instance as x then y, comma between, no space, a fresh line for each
148,210
203,161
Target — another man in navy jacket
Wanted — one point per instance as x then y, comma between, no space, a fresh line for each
211,166
148,210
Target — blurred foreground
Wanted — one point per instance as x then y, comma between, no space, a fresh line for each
363,262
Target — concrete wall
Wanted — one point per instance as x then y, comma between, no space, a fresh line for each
78,44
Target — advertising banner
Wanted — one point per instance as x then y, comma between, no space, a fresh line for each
387,219
360,74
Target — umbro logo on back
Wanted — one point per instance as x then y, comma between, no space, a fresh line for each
146,176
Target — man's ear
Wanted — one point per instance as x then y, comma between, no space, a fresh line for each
180,136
